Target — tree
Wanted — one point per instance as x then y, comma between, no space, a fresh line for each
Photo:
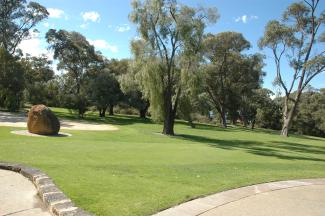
228,76
267,112
104,91
75,56
296,37
130,85
247,88
17,19
38,73
11,81
168,30
187,104
310,118
118,67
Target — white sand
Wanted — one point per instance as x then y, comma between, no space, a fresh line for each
19,120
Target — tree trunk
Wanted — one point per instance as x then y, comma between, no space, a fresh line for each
143,112
169,125
81,113
287,120
253,124
190,122
223,118
288,114
102,112
169,116
245,122
111,110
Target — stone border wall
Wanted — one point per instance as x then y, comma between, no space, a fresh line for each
55,200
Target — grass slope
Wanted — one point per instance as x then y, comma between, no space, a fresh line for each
137,171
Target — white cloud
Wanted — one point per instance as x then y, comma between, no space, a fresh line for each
91,15
241,18
48,25
84,25
55,13
33,46
103,45
123,28
244,18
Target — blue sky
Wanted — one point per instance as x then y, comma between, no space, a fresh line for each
105,24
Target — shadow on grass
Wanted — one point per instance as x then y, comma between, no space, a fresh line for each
115,119
238,128
230,128
281,150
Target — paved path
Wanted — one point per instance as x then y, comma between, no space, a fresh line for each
289,198
18,196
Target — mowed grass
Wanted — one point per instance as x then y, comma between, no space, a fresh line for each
138,171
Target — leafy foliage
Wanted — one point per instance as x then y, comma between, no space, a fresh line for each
131,86
11,81
169,32
75,56
296,37
229,76
310,117
104,90
17,19
38,73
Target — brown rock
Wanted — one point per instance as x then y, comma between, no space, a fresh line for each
41,120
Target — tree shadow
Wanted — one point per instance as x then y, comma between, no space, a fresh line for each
238,128
115,119
280,150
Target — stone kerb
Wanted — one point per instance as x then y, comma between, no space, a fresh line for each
56,201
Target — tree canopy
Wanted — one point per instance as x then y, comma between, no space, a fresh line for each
168,32
295,38
17,19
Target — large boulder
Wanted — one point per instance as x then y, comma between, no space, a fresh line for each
41,120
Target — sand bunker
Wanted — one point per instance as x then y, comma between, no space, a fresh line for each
19,120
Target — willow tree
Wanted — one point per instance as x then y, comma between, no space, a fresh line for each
168,30
131,87
296,37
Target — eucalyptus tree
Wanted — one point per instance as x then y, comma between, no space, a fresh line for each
167,31
17,19
296,38
228,74
76,56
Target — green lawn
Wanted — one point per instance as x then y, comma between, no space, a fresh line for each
137,171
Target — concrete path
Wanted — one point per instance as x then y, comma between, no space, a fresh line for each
289,198
18,196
